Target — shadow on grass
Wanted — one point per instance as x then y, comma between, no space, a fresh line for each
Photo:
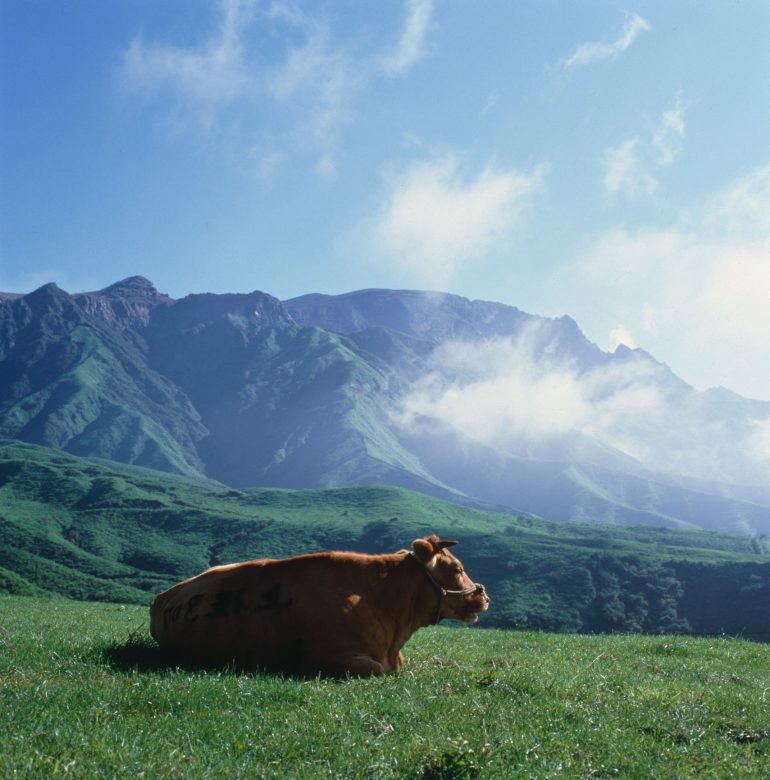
140,653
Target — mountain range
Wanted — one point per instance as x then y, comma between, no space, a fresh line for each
476,402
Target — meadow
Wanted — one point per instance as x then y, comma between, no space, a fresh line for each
85,693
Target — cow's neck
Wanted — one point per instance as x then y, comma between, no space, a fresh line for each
418,593
408,590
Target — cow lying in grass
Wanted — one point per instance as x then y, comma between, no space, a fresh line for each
335,612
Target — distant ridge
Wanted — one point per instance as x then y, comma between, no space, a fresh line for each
370,387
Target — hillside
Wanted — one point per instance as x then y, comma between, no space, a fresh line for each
470,401
97,530
226,385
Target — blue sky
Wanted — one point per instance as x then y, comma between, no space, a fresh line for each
605,160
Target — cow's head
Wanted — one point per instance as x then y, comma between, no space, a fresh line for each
460,598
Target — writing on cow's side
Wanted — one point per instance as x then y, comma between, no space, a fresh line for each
224,604
269,600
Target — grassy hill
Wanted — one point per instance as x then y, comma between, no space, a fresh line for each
97,530
85,693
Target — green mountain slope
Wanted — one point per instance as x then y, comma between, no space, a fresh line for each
70,380
284,405
226,385
314,394
96,530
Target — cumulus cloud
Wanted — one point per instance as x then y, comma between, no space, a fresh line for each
434,218
506,393
520,397
588,53
696,293
705,293
631,167
411,45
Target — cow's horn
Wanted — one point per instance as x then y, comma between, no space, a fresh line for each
442,543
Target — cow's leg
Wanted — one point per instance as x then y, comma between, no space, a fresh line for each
359,665
395,661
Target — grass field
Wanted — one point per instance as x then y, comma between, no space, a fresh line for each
84,693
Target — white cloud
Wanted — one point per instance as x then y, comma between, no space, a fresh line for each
620,334
411,45
491,390
314,80
493,98
506,394
323,81
203,78
759,441
667,137
732,303
518,397
268,163
625,171
434,219
697,292
741,210
588,53
631,167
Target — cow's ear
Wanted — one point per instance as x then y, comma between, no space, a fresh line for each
438,543
423,550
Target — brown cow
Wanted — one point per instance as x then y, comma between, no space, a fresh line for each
332,612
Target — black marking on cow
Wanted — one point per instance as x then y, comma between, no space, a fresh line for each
270,601
171,615
192,607
238,605
225,601
220,607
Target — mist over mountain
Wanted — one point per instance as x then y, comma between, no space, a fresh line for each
469,400
535,387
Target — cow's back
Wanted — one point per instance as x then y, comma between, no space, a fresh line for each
289,613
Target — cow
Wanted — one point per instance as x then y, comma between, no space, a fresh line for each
329,613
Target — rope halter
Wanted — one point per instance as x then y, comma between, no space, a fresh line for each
443,592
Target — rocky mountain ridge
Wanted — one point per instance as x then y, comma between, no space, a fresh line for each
473,401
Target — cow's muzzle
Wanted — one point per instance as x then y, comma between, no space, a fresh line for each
477,589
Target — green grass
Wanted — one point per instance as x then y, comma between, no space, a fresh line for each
84,693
